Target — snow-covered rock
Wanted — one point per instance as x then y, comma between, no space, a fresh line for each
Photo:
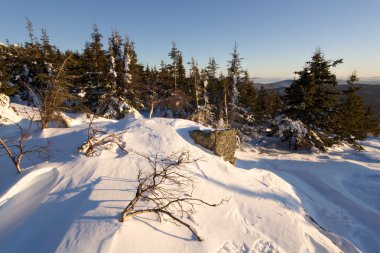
298,135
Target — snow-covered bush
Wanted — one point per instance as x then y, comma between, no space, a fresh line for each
298,135
203,115
114,108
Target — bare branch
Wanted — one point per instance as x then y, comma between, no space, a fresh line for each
96,142
166,190
16,148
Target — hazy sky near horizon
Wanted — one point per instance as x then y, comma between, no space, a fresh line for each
275,37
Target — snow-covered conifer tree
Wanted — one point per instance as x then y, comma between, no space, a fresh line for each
234,71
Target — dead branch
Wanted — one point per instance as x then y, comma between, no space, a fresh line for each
98,140
16,148
166,190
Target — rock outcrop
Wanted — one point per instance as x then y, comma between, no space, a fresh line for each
222,142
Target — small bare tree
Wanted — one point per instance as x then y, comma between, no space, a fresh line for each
166,190
98,140
16,148
51,99
159,96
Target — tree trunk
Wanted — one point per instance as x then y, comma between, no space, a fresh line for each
226,105
151,109
17,164
196,93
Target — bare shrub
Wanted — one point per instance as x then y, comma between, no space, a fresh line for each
166,190
52,98
16,148
98,140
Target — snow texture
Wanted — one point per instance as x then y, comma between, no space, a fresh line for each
278,203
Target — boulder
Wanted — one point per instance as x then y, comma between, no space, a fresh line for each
222,142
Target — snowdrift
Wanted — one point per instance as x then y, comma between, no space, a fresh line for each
72,203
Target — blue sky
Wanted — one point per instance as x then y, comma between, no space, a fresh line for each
275,37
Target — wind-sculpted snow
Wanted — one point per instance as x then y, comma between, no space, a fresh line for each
72,203
340,190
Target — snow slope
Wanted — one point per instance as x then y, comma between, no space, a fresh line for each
72,203
340,190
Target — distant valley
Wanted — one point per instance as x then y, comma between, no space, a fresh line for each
370,90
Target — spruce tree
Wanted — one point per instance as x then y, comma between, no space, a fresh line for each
182,82
247,92
95,68
312,97
352,113
261,104
114,102
371,122
117,81
133,75
194,81
213,90
212,68
234,71
29,28
50,53
31,68
174,67
203,83
5,86
213,87
273,103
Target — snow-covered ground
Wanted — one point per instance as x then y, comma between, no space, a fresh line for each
276,201
340,190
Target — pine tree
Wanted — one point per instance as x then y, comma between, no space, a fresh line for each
49,51
234,71
312,97
95,69
164,79
75,68
195,87
133,74
213,92
5,87
152,88
352,113
247,92
203,83
31,67
182,82
12,60
114,102
212,68
51,56
273,103
261,104
174,67
29,28
118,84
371,122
